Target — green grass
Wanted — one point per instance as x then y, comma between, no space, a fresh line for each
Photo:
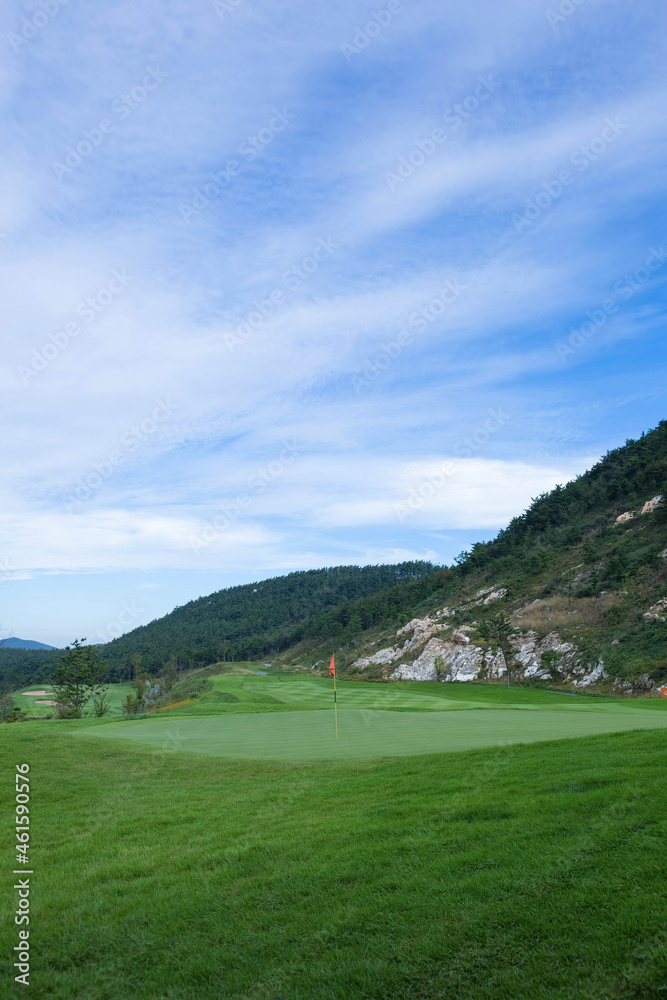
368,733
533,871
118,694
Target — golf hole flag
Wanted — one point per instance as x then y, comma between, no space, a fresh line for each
332,673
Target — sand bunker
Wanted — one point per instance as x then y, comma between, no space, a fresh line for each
46,703
31,694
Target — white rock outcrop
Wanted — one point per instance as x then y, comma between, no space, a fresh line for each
655,613
419,630
651,505
622,518
382,657
455,657
595,674
528,651
495,595
451,661
488,594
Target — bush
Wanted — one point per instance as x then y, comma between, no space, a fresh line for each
10,712
132,705
68,711
101,704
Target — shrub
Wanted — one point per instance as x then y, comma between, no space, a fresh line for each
101,704
10,712
132,705
64,711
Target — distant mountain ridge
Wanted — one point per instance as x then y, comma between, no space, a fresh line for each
14,643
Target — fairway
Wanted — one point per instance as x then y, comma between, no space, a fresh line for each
310,735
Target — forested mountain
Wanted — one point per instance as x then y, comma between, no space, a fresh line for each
588,559
19,667
585,556
250,620
15,643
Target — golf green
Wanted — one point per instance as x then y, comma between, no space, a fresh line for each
310,735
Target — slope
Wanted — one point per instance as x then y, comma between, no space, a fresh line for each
248,621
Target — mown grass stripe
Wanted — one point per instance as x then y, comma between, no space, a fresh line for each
309,735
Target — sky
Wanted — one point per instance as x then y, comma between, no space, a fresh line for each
291,285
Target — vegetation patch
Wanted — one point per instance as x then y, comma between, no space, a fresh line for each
350,879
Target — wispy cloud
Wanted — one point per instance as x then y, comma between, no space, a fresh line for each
172,331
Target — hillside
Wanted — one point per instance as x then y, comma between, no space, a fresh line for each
583,574
252,620
25,666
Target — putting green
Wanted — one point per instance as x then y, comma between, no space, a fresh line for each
309,735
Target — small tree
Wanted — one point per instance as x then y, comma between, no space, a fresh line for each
101,703
549,659
497,629
440,666
78,677
10,711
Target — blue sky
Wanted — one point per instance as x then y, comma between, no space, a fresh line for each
293,285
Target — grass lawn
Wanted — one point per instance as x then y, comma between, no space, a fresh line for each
118,694
521,872
367,733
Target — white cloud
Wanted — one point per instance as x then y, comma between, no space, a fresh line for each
364,452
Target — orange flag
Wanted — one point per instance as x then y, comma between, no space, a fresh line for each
332,667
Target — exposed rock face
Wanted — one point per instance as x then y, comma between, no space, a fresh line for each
622,518
651,505
528,651
627,687
378,659
654,613
495,595
597,673
488,594
457,661
421,629
457,658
